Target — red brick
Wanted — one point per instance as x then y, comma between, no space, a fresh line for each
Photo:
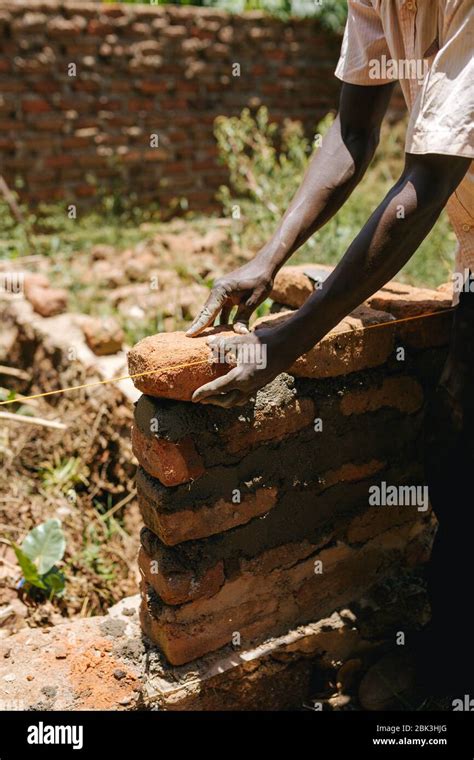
258,603
141,104
175,104
45,86
101,28
172,463
7,124
13,86
59,161
188,524
35,105
351,473
402,393
85,191
288,71
170,365
153,87
406,301
276,54
53,123
176,584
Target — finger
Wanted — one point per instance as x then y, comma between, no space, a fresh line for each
222,384
226,400
225,313
221,348
209,312
242,328
245,311
241,319
222,345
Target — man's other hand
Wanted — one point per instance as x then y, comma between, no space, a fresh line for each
245,288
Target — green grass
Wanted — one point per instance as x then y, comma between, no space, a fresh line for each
53,232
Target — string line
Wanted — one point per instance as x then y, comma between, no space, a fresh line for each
201,361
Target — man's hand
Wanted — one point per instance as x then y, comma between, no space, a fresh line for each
260,356
245,288
333,172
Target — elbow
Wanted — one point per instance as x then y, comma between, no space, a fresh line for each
362,145
435,178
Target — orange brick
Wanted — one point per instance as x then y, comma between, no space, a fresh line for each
292,286
431,331
351,473
176,584
188,524
405,301
170,365
175,365
343,351
402,393
172,463
349,347
258,603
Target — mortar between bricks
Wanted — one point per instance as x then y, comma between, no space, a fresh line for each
219,569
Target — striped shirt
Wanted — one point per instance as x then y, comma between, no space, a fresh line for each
428,45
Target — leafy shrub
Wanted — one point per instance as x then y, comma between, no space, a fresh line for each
266,166
331,13
42,549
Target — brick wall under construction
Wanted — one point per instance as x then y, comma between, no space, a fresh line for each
258,519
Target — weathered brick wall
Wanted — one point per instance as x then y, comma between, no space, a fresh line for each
257,519
142,71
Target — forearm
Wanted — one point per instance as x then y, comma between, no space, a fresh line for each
387,241
333,172
329,180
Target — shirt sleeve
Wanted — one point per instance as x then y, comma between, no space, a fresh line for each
364,46
442,118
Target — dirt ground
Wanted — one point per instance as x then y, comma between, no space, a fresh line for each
85,474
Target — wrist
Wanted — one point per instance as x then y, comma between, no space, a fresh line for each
271,258
308,324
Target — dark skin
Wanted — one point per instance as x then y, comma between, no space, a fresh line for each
386,242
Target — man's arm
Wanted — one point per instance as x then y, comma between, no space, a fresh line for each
386,242
333,173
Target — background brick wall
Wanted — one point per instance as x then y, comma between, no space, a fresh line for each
140,71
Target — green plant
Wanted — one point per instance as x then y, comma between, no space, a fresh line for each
41,550
331,13
63,473
266,165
